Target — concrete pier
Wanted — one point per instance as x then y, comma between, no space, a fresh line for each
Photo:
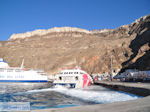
141,89
139,105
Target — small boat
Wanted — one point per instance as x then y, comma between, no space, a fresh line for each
73,78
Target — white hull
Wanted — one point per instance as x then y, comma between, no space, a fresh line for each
21,74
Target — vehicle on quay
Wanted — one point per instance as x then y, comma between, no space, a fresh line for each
134,75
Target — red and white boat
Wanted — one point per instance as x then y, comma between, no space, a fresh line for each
73,78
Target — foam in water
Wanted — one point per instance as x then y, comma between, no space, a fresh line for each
98,97
106,96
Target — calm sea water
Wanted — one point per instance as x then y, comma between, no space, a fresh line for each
60,97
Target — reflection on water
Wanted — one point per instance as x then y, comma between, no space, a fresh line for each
62,97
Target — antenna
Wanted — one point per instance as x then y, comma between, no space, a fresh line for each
111,64
111,67
22,64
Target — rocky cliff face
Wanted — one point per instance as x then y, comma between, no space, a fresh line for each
46,32
56,48
140,45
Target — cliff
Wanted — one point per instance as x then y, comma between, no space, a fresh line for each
41,32
56,48
140,45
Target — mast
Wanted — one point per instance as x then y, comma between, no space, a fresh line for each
111,67
22,64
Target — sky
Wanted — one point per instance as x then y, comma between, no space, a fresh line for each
19,16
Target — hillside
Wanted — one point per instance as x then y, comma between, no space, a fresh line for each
59,47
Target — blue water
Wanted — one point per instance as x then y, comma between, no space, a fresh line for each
62,97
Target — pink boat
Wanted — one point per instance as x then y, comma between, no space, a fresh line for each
73,78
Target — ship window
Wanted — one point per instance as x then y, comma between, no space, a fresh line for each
18,70
75,72
1,76
76,78
19,76
65,72
60,78
70,72
9,76
9,70
2,70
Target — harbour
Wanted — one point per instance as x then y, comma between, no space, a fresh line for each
137,105
60,97
74,56
70,88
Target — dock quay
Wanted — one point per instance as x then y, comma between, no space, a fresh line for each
138,105
138,88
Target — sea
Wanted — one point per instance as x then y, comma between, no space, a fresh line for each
61,97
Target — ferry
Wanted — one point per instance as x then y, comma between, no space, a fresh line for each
20,79
73,78
20,74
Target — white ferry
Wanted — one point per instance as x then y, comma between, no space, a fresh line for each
20,74
73,78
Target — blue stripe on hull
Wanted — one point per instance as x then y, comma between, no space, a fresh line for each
23,81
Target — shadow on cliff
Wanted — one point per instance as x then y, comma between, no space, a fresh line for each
142,38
